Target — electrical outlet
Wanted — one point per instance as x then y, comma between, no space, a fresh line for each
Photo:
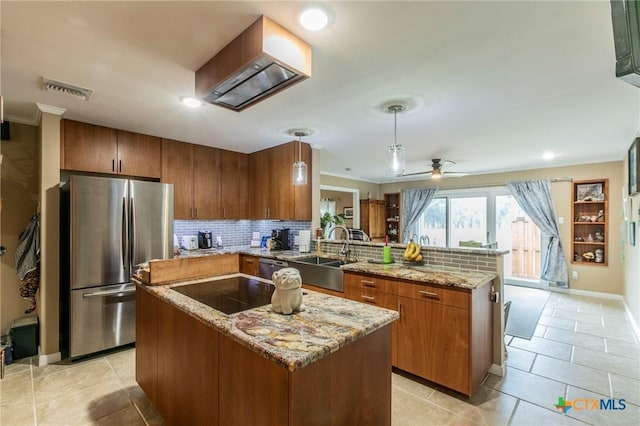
574,275
560,220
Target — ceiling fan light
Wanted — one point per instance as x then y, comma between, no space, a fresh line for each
436,174
395,160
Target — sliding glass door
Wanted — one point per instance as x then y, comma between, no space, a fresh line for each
485,218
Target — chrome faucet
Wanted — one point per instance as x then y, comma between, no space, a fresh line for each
345,247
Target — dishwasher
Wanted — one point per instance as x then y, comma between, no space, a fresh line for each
267,267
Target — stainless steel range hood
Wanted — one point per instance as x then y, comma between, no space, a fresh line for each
264,59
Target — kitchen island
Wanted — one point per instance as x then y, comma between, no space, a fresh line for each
200,366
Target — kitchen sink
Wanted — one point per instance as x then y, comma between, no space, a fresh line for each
319,260
320,271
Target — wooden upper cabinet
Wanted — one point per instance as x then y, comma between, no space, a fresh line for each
260,182
206,182
90,148
234,184
139,155
273,195
302,193
177,168
372,218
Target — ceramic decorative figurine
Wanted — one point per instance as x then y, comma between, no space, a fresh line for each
287,297
599,255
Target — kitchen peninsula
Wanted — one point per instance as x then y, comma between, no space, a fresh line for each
201,366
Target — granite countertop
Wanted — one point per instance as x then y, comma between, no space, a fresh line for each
466,279
293,341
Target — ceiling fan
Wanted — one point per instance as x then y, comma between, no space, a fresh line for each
438,169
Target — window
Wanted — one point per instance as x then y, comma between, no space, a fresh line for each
485,217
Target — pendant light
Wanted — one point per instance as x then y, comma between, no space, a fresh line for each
299,175
395,152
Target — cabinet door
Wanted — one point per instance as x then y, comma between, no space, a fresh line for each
139,155
234,184
249,265
281,192
177,168
89,148
206,182
364,217
433,342
260,181
302,193
379,218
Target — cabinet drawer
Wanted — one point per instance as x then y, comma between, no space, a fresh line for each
357,281
447,296
373,297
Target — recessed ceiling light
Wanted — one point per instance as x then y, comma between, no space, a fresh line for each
190,101
314,19
548,155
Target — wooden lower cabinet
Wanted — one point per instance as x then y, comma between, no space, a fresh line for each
433,342
250,265
443,335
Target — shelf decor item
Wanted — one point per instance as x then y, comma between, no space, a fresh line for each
589,230
348,212
634,167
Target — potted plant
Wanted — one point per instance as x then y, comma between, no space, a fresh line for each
328,220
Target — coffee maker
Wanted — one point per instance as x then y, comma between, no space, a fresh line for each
280,239
205,239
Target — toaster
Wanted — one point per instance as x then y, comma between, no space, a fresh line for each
190,242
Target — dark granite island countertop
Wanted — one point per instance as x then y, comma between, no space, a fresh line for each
293,341
330,364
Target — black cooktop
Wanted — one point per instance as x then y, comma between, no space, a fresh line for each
229,295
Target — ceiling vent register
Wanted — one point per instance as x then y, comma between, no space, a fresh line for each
66,88
264,59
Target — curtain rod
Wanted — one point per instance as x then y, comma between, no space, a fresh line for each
491,185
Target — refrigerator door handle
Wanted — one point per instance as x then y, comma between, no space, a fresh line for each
132,224
125,232
118,293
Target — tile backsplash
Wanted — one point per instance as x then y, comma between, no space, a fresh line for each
237,232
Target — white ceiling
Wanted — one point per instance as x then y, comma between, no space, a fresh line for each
491,85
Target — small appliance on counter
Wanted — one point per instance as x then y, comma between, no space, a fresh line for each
280,239
205,239
190,242
304,243
255,240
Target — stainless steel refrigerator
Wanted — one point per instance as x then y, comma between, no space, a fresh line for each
109,226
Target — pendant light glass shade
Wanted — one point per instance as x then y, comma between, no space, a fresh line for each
395,160
299,175
395,152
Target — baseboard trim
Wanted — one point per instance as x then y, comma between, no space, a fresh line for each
587,293
634,324
498,370
49,359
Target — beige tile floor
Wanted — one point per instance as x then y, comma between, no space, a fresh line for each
583,348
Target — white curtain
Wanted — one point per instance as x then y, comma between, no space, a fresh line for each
327,205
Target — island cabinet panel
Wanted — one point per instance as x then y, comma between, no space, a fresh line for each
147,344
90,148
187,389
347,387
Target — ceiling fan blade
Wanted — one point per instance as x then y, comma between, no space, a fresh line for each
416,173
454,174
